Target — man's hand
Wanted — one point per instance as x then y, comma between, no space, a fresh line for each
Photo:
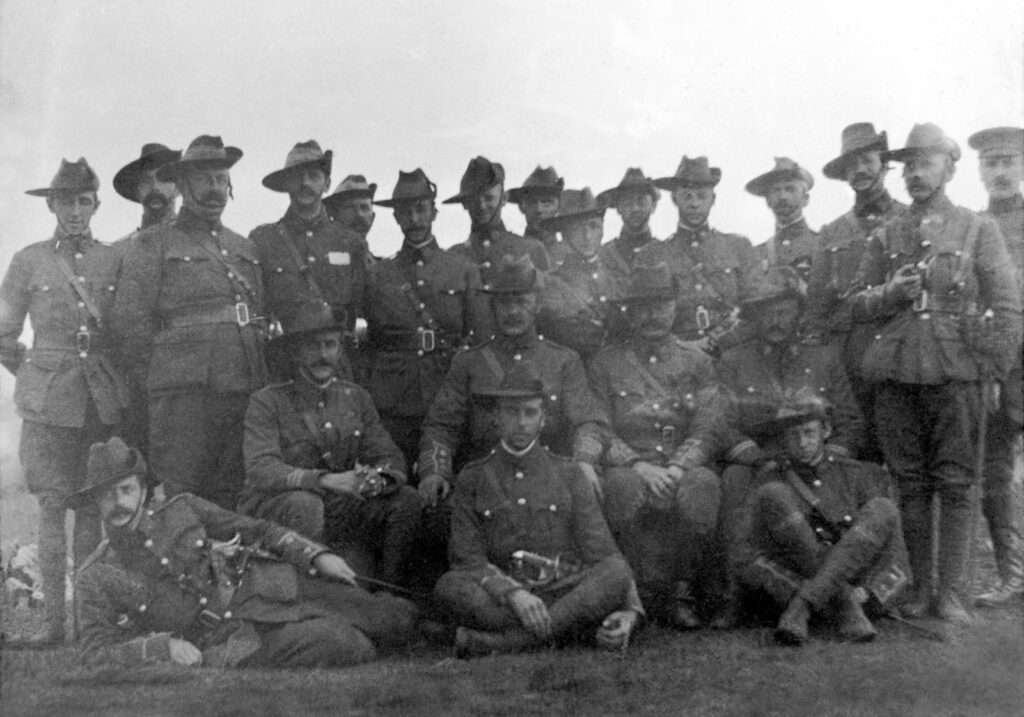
335,566
184,653
905,283
346,482
434,488
531,611
658,481
616,629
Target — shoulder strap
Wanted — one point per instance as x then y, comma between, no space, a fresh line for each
492,362
647,376
805,493
314,287
613,251
237,276
419,305
78,285
967,250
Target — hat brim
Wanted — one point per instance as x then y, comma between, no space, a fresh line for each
458,198
751,307
761,184
126,181
48,192
333,200
904,153
836,169
90,493
561,221
278,181
391,203
610,197
286,341
518,194
670,184
173,170
775,426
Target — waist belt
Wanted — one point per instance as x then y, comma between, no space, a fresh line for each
425,340
927,301
237,314
81,341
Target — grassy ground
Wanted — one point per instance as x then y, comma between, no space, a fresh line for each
741,673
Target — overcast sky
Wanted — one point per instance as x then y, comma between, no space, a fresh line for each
589,87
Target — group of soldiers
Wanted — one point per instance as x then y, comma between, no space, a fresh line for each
291,452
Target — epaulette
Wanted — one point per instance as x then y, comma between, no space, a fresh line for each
263,227
160,506
480,461
554,344
94,557
281,384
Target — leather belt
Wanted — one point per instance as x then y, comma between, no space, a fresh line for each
425,340
237,314
81,341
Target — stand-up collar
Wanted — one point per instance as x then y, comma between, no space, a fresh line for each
190,221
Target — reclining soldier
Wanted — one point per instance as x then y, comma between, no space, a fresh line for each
818,533
532,559
319,461
660,497
186,581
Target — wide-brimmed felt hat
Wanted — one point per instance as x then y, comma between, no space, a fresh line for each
411,187
924,139
542,182
691,173
205,152
521,381
785,170
108,463
649,282
633,181
856,138
480,175
776,284
354,186
153,156
796,408
71,178
302,156
998,142
308,318
515,275
577,205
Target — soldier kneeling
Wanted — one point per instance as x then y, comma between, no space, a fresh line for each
184,580
532,558
820,534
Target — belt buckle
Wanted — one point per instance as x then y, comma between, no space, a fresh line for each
703,318
242,313
922,302
83,341
668,436
427,339
209,619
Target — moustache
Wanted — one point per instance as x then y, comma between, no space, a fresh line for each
862,177
118,513
155,198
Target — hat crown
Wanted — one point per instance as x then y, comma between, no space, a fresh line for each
75,176
779,282
303,152
862,135
998,141
205,146
634,177
413,185
153,148
929,137
522,378
544,178
515,276
577,201
112,459
481,175
312,316
352,182
697,171
650,281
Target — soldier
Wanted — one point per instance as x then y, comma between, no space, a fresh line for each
482,195
187,314
819,533
635,199
187,582
660,497
578,304
351,206
422,306
306,257
786,189
137,182
539,199
933,274
711,267
460,428
318,460
1001,156
520,578
834,267
67,390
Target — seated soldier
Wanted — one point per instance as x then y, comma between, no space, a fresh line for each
660,498
318,460
818,533
186,581
532,559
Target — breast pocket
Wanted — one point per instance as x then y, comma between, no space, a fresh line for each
495,517
448,305
35,377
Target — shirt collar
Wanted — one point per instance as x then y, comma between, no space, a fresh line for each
488,232
297,224
878,205
1005,206
425,251
77,242
793,227
511,344
189,221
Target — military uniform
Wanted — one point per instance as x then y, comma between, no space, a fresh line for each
929,363
422,306
794,244
666,409
620,254
187,310
539,502
486,246
712,269
67,390
243,590
579,304
852,537
296,432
